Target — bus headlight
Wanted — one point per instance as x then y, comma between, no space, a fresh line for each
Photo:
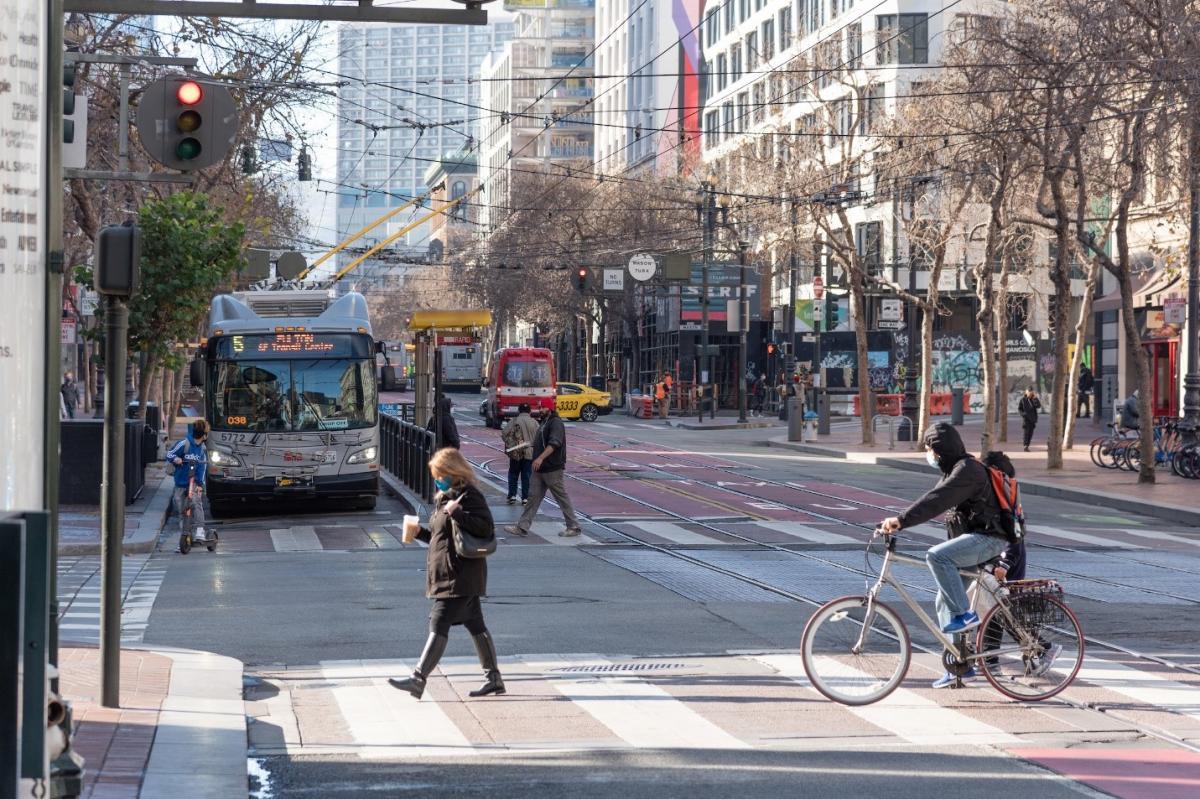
363,456
218,458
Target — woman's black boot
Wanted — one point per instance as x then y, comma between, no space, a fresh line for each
435,645
487,659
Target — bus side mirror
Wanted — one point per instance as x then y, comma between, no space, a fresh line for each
196,373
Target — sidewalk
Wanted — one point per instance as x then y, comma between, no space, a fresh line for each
1172,498
181,725
79,525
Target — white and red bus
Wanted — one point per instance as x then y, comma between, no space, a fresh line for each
519,375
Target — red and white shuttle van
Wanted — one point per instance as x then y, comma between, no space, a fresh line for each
519,375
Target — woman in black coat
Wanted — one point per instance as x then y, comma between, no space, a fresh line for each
454,583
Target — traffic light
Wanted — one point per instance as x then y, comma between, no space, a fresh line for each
581,278
249,160
836,313
304,165
68,101
187,122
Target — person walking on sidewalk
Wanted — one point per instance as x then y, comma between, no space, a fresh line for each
449,430
1028,408
454,583
189,457
70,394
668,387
518,437
549,464
1087,384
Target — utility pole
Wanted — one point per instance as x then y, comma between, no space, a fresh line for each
1191,380
112,499
743,327
790,316
709,211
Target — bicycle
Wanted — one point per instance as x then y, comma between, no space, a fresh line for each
194,495
856,649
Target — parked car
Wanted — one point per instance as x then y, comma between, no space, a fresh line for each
577,401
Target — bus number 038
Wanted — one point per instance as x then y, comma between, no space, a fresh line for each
235,421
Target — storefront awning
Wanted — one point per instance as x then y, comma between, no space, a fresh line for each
1148,290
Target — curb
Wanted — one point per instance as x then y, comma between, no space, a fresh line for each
1159,510
143,539
200,741
682,425
402,492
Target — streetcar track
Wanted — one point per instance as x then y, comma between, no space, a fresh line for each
806,555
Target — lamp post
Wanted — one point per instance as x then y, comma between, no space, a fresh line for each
708,212
743,327
1191,380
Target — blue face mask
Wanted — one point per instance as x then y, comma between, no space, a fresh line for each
442,483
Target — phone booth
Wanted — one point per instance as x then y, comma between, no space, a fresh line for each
1164,396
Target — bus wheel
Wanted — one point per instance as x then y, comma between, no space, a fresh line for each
589,413
367,503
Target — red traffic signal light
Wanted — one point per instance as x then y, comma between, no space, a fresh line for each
189,93
581,278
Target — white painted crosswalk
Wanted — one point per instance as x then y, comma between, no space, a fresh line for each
79,592
735,701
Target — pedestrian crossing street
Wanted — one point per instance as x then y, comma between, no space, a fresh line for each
732,701
79,591
665,532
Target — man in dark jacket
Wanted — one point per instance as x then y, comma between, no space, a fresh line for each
966,496
549,463
1087,384
448,435
70,394
1130,413
1028,408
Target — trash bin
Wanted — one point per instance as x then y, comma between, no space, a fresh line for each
822,413
153,414
956,406
795,419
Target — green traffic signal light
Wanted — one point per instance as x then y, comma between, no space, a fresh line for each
187,149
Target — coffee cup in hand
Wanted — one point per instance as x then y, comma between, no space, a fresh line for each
412,525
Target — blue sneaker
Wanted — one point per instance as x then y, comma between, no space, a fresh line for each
962,622
947,679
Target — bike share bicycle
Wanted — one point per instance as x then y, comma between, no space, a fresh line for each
856,649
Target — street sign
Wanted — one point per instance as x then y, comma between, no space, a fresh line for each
614,280
89,301
818,287
891,310
1175,310
891,324
642,266
818,310
67,334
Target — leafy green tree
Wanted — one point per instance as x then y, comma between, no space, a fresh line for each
188,252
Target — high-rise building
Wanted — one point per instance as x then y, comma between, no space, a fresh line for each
647,85
539,87
412,95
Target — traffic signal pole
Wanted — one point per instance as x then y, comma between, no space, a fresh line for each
743,328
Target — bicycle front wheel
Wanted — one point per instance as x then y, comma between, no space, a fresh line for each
855,652
1032,649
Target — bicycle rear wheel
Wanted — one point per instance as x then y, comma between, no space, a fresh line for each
1036,647
841,670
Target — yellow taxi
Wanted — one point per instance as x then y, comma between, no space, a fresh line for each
577,401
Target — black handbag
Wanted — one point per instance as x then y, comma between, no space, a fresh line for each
471,546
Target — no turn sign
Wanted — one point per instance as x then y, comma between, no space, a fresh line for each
818,287
642,266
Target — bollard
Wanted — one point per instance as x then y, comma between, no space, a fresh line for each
956,406
795,419
822,413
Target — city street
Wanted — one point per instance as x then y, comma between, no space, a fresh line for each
657,654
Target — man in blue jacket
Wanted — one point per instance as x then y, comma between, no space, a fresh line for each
190,459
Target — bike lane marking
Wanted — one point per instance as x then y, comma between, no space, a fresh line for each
1129,773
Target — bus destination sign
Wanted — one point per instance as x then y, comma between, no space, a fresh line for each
293,345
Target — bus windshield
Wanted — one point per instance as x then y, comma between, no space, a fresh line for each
294,395
527,374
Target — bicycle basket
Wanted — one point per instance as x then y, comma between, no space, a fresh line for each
1029,601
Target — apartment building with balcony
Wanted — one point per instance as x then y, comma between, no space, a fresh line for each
538,88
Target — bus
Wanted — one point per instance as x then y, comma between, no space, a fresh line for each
290,391
394,362
462,362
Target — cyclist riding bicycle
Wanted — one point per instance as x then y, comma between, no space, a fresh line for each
189,456
966,496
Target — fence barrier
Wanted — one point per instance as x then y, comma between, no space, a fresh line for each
405,450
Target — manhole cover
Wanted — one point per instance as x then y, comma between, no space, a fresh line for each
619,667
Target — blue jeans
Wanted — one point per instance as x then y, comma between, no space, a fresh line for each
522,469
945,559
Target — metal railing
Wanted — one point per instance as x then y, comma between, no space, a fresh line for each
405,450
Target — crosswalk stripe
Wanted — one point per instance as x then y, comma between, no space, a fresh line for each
1157,536
646,715
550,531
295,539
906,714
1142,686
384,540
674,533
806,532
1082,538
386,721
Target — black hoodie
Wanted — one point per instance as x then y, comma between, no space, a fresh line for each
449,428
965,490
